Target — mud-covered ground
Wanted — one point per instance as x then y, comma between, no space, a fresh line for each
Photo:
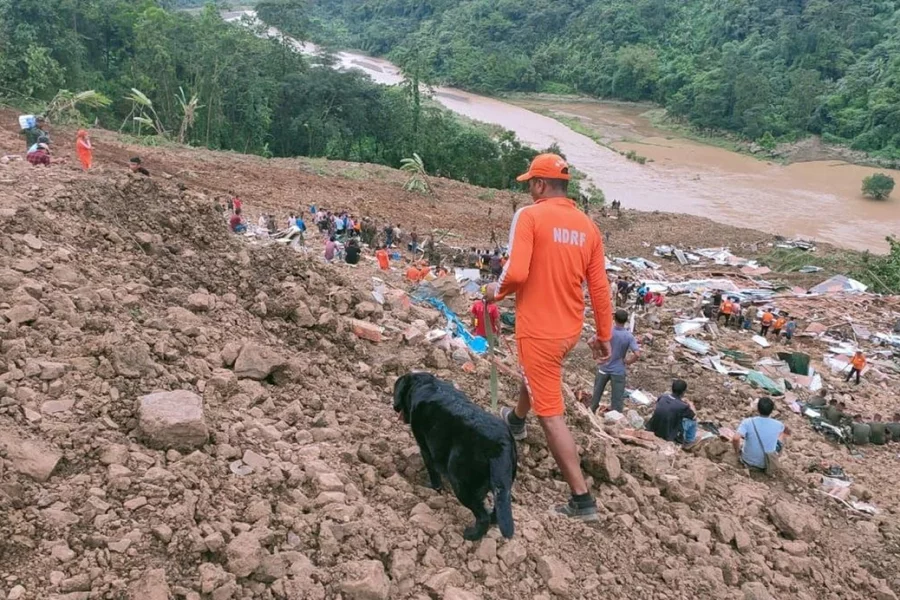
113,286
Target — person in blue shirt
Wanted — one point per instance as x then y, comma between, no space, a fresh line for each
301,224
759,435
614,370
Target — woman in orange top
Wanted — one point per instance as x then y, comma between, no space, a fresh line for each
858,364
84,149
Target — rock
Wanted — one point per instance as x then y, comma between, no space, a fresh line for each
257,462
367,331
328,482
487,550
303,316
212,576
22,314
512,553
114,454
33,242
555,573
25,265
602,462
76,583
16,593
245,554
365,309
52,370
230,353
794,521
365,580
62,553
455,593
183,320
172,420
29,457
52,407
200,302
132,360
151,586
754,590
257,362
447,576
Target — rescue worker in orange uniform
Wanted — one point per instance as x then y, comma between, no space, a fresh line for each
554,248
857,364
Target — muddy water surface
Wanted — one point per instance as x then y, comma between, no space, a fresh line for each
819,200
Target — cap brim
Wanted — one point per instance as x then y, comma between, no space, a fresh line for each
524,177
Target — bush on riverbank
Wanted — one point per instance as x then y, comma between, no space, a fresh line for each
878,186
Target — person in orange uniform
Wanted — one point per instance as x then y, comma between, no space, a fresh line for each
857,364
767,319
725,311
383,260
84,149
780,322
413,273
554,248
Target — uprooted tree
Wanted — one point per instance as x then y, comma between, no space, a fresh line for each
878,186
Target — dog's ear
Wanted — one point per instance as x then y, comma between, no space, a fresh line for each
401,393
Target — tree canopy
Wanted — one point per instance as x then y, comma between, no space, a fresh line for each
782,67
253,94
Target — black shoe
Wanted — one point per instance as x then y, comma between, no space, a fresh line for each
518,430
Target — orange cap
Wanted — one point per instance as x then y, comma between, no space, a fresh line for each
546,166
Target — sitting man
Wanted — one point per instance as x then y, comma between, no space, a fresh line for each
351,253
760,435
236,223
878,432
674,418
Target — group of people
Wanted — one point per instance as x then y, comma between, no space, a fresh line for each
38,146
489,263
644,299
875,431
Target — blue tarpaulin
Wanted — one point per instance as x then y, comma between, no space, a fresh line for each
476,344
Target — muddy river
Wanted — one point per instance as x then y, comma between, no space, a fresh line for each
818,200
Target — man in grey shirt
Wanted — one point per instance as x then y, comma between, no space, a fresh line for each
614,369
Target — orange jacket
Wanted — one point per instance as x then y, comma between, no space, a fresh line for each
554,249
726,307
858,362
383,259
779,323
767,318
413,274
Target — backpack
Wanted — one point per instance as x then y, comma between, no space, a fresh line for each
771,458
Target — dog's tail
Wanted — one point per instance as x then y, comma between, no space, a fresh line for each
502,474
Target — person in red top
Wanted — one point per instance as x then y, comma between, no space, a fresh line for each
236,202
554,248
478,320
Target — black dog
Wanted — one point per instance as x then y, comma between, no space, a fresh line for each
472,449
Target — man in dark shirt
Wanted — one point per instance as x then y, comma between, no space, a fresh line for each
135,165
861,431
674,419
35,133
351,252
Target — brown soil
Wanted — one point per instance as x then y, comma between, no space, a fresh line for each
134,285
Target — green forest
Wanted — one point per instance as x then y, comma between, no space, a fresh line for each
762,68
221,86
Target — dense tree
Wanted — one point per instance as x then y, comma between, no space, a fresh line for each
878,186
782,67
255,94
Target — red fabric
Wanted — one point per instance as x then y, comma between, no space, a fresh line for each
234,221
39,157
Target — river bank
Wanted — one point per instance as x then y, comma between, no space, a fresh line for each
819,200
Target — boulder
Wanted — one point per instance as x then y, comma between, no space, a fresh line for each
257,362
152,585
794,521
455,593
365,580
245,554
29,457
555,573
132,360
172,420
200,302
303,316
512,553
754,590
22,314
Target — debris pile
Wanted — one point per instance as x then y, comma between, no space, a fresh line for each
187,415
